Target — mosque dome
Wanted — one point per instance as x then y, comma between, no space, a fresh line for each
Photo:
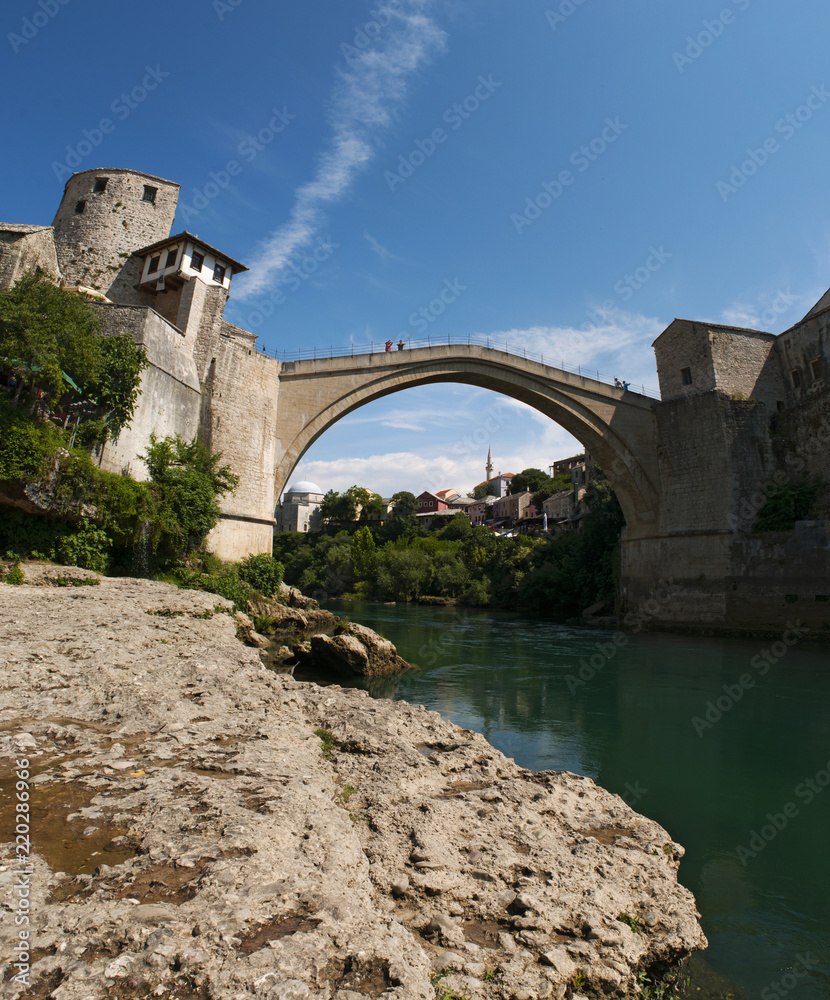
304,486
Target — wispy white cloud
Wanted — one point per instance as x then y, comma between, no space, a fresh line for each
366,97
621,346
379,248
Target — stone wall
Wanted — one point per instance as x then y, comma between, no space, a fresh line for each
746,365
95,246
559,506
239,418
26,248
740,363
684,344
801,443
721,582
170,398
712,451
805,349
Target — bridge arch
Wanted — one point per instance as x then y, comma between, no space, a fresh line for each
616,427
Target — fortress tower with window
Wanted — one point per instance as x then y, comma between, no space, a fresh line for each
112,240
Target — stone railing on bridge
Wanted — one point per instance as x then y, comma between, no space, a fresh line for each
516,350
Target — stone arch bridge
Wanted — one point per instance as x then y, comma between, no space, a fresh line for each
617,427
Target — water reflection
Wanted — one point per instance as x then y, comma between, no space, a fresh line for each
630,726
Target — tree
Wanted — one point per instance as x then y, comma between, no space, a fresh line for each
532,480
186,483
406,505
402,573
344,506
47,334
480,492
363,553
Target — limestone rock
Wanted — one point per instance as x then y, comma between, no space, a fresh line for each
241,855
358,650
295,598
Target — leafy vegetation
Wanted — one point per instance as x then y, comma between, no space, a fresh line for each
357,503
262,572
540,484
785,504
186,481
328,742
56,365
629,921
457,561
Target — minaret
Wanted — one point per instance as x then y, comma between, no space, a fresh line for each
489,467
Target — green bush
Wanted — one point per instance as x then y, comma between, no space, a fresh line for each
186,482
262,572
785,504
230,586
88,547
26,445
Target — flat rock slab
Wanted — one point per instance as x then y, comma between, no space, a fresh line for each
205,828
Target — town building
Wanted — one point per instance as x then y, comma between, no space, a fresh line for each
564,510
429,503
512,508
300,508
432,518
481,511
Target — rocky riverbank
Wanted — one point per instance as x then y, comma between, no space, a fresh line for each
205,828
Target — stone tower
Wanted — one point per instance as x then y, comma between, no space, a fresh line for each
103,217
489,466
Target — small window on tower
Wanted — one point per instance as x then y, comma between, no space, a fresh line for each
197,260
815,369
154,264
100,184
686,375
219,274
150,194
171,258
80,206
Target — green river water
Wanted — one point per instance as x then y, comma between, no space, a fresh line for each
747,794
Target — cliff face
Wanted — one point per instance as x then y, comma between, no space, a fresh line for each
192,831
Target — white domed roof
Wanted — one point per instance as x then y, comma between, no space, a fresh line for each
304,486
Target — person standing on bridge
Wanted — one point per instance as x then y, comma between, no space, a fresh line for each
401,345
388,346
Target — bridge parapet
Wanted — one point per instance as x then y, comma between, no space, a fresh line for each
363,352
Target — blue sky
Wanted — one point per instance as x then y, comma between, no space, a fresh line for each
579,145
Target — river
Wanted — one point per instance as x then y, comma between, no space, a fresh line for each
744,789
